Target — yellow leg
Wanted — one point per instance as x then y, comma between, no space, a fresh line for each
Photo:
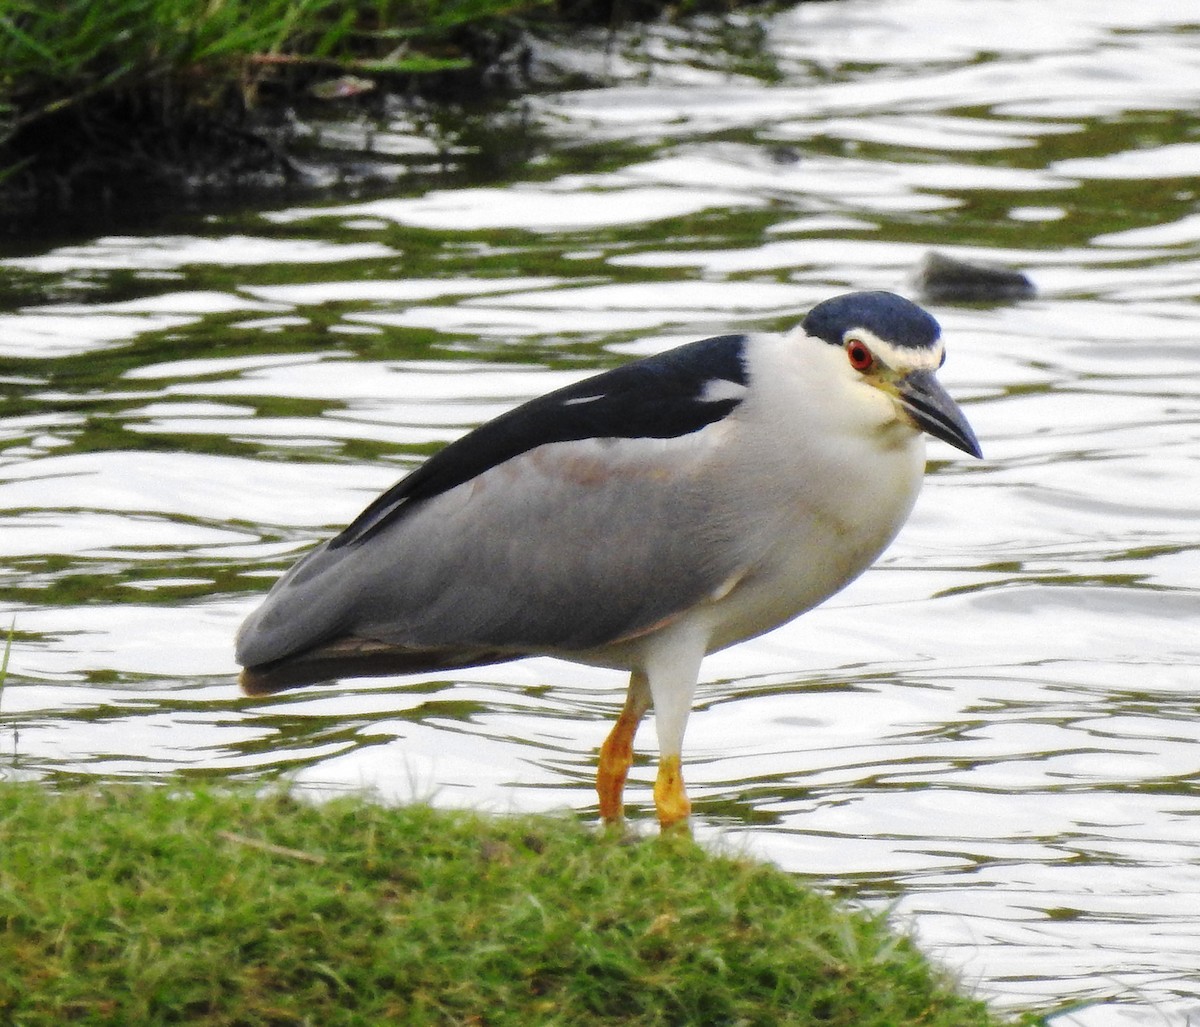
670,798
616,757
616,754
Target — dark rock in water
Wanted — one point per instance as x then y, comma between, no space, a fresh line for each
950,280
783,154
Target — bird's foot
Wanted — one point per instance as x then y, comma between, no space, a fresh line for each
670,798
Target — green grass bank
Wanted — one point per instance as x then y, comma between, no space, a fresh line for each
100,99
123,905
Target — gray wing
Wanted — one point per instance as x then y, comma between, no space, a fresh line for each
566,547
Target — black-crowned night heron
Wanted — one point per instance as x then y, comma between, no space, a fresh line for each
638,519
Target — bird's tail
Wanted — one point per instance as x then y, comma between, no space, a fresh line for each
356,658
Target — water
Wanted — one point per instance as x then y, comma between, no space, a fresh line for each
994,730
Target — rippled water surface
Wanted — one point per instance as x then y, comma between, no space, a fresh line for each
995,728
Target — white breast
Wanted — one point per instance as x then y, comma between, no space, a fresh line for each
821,473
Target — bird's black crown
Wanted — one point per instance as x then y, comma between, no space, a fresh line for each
884,314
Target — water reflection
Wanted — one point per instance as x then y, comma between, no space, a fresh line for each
995,729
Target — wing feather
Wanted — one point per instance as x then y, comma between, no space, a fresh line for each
566,548
662,396
579,518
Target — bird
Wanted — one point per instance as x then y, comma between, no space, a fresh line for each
638,519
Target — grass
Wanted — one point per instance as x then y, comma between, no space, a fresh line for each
127,905
90,91
59,55
85,86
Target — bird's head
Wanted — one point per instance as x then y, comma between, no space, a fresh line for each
893,345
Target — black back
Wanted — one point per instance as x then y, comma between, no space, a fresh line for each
658,397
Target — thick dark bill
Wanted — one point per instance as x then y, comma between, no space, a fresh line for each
931,407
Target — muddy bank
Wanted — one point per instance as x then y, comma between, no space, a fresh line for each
276,126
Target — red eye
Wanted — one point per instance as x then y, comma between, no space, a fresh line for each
861,358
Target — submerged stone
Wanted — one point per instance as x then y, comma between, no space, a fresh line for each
940,278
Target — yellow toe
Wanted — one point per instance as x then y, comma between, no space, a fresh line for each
670,798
